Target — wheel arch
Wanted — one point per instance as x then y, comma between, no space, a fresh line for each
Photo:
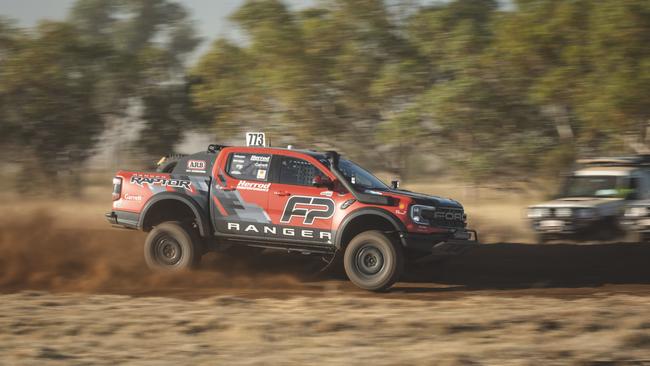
161,202
366,219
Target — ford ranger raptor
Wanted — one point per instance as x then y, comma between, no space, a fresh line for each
294,200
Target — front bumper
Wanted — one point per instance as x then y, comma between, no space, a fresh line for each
453,243
636,224
559,226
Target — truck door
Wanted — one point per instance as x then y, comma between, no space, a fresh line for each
302,211
240,194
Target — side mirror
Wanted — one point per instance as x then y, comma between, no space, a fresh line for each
320,181
394,184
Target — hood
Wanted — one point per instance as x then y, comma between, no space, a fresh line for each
580,202
427,200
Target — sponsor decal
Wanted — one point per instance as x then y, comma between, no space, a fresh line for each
278,231
196,166
327,193
309,208
260,158
253,186
261,174
161,181
131,197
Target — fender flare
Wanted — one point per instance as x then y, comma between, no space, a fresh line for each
369,211
201,221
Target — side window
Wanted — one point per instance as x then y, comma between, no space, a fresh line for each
297,171
249,166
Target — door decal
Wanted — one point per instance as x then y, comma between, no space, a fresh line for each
310,208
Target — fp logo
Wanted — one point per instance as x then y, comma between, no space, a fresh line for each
311,208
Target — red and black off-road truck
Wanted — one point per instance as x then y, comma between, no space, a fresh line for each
293,200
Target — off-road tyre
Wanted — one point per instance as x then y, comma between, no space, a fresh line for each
373,260
172,246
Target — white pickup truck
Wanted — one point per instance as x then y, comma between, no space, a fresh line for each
593,199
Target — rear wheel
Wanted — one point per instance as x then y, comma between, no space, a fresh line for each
172,246
373,261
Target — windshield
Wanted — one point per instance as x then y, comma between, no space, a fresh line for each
599,186
359,177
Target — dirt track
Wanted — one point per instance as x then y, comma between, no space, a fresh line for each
499,304
37,328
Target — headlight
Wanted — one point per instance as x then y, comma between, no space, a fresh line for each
418,213
538,212
636,211
585,213
563,212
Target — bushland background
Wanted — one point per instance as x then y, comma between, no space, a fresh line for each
481,92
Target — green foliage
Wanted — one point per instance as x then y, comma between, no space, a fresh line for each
489,89
48,88
63,83
495,92
48,97
149,42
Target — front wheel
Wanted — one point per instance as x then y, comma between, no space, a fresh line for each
543,239
172,246
373,261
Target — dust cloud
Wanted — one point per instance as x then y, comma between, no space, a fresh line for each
38,254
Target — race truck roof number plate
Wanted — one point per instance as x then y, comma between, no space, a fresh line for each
255,139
